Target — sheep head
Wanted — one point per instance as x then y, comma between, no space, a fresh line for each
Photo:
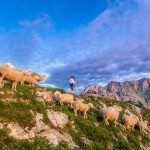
36,78
119,109
135,117
127,112
91,105
57,93
101,105
26,72
41,77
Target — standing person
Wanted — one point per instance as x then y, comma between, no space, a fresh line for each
72,83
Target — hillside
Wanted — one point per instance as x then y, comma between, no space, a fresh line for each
136,91
27,124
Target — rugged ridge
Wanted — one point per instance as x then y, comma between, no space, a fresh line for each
136,91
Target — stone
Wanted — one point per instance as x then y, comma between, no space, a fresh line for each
55,137
17,131
86,140
96,124
9,100
139,138
58,119
39,123
122,136
1,126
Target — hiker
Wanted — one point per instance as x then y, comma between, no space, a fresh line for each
72,83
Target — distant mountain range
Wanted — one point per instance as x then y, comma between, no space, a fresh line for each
136,91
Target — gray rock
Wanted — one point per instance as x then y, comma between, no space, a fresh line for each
58,119
136,92
55,137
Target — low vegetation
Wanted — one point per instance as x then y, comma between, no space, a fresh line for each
93,128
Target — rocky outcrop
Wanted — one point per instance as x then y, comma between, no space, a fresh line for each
53,136
136,92
58,119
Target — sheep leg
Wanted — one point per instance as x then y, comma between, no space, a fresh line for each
106,122
133,128
85,115
22,83
75,111
129,127
15,86
2,84
116,123
1,80
71,106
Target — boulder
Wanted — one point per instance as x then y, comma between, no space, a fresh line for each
58,119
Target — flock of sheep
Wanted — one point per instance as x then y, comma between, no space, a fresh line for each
129,120
10,72
112,113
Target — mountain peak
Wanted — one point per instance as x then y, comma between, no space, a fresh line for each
136,91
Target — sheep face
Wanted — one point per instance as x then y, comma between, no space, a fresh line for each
26,72
127,112
36,77
41,78
91,105
119,108
102,105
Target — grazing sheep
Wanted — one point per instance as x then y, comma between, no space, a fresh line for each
143,126
30,80
110,113
129,120
64,98
80,106
11,74
46,95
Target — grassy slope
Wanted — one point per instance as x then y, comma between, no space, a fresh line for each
102,137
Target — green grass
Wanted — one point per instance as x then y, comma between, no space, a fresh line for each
103,137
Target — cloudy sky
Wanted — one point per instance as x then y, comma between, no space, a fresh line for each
95,40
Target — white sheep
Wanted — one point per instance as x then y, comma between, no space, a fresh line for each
46,95
143,126
30,80
129,120
82,107
110,113
11,74
64,98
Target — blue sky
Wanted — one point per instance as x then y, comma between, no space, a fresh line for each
95,40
